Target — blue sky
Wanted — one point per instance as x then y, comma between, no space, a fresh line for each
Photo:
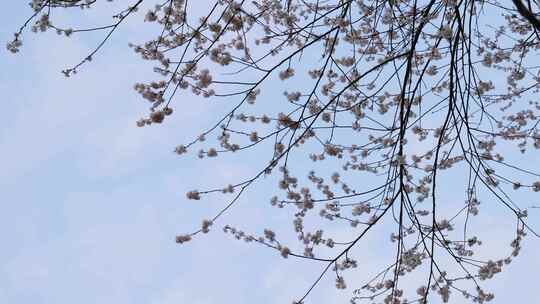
91,203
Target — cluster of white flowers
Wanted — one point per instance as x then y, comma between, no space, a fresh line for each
180,149
42,24
361,209
340,283
252,96
228,189
287,73
14,45
536,186
489,270
205,79
206,226
411,259
193,195
183,238
444,292
212,152
270,235
285,251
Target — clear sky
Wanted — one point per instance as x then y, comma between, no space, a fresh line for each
91,203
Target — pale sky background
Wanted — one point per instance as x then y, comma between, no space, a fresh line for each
91,203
